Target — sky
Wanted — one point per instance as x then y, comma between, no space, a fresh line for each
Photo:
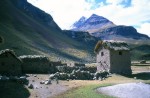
121,12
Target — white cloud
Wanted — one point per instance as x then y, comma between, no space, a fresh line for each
135,15
145,29
65,12
115,2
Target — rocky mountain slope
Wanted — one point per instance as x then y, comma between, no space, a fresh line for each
79,23
29,30
103,28
83,37
120,31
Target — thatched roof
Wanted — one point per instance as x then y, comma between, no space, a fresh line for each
112,45
8,51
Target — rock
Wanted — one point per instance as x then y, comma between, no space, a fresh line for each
42,82
48,82
23,77
94,78
143,62
33,80
4,78
52,76
30,86
35,75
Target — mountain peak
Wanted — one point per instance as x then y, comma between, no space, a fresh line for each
95,15
82,19
93,24
79,22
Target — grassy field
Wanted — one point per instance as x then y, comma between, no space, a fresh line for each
85,92
87,89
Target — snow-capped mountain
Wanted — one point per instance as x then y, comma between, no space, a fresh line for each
93,24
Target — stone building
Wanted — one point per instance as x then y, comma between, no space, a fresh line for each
37,64
9,63
113,57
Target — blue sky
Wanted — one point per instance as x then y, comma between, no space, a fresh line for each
122,12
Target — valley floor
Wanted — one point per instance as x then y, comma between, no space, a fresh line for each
71,88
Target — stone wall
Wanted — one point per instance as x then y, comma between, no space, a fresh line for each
38,64
39,67
72,64
114,61
120,63
103,60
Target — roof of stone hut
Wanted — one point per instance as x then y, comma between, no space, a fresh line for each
8,51
112,45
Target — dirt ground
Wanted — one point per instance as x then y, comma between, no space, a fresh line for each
54,89
44,91
139,69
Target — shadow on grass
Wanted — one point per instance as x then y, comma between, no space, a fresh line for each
13,90
142,76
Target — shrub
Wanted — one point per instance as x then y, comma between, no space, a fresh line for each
101,75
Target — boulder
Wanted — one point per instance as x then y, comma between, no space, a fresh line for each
48,82
30,86
42,82
52,76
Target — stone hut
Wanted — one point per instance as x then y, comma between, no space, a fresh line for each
9,63
36,64
113,57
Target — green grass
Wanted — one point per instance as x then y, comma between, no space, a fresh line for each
140,65
85,92
140,51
